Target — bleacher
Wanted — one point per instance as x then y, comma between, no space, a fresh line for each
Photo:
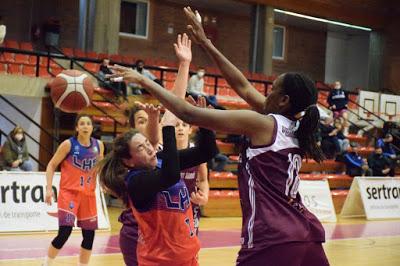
224,197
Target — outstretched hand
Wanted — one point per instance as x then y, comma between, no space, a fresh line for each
201,102
183,48
126,74
150,109
195,28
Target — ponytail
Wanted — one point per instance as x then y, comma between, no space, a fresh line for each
306,134
112,170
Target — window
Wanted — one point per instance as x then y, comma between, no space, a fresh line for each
134,19
278,49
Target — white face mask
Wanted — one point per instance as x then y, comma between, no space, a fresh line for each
200,74
19,136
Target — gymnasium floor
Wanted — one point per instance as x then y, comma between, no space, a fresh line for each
349,242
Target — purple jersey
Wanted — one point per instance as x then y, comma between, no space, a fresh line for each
268,185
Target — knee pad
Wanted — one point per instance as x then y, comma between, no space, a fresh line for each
63,234
88,237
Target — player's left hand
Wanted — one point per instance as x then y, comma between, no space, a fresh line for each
200,198
125,73
183,48
195,28
150,109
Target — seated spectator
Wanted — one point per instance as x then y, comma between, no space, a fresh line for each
119,88
379,163
389,151
136,88
15,151
355,164
329,141
338,100
196,83
342,141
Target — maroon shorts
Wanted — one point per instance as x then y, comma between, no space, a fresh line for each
128,237
287,254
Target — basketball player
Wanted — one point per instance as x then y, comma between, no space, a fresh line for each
145,120
159,198
76,200
274,218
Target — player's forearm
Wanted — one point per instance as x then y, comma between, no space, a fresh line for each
49,176
153,130
231,73
181,81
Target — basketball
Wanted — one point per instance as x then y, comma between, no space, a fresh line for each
71,91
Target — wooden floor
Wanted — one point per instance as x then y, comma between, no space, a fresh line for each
381,249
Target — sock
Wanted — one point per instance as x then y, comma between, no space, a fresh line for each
48,261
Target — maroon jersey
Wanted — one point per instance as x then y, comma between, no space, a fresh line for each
268,184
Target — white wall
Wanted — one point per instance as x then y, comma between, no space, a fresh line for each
347,59
33,108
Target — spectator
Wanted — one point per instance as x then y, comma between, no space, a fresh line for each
196,83
378,162
15,151
329,141
136,88
342,141
338,101
355,164
119,88
3,30
389,151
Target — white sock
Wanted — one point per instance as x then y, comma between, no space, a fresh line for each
48,261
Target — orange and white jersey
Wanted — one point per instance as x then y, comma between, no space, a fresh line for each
77,171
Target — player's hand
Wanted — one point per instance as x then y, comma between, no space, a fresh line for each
169,119
201,102
49,196
385,171
126,74
199,198
183,48
195,28
150,109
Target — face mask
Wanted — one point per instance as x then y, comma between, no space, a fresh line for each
140,68
337,87
200,74
19,136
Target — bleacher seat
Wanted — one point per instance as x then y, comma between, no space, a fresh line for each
103,56
21,59
104,92
170,76
68,51
14,69
338,198
56,70
116,58
44,73
7,58
3,68
32,60
79,53
29,70
92,55
222,203
11,44
27,46
128,59
92,67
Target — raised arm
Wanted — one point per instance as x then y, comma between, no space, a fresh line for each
232,74
255,125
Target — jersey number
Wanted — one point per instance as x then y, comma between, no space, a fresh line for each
83,180
292,183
